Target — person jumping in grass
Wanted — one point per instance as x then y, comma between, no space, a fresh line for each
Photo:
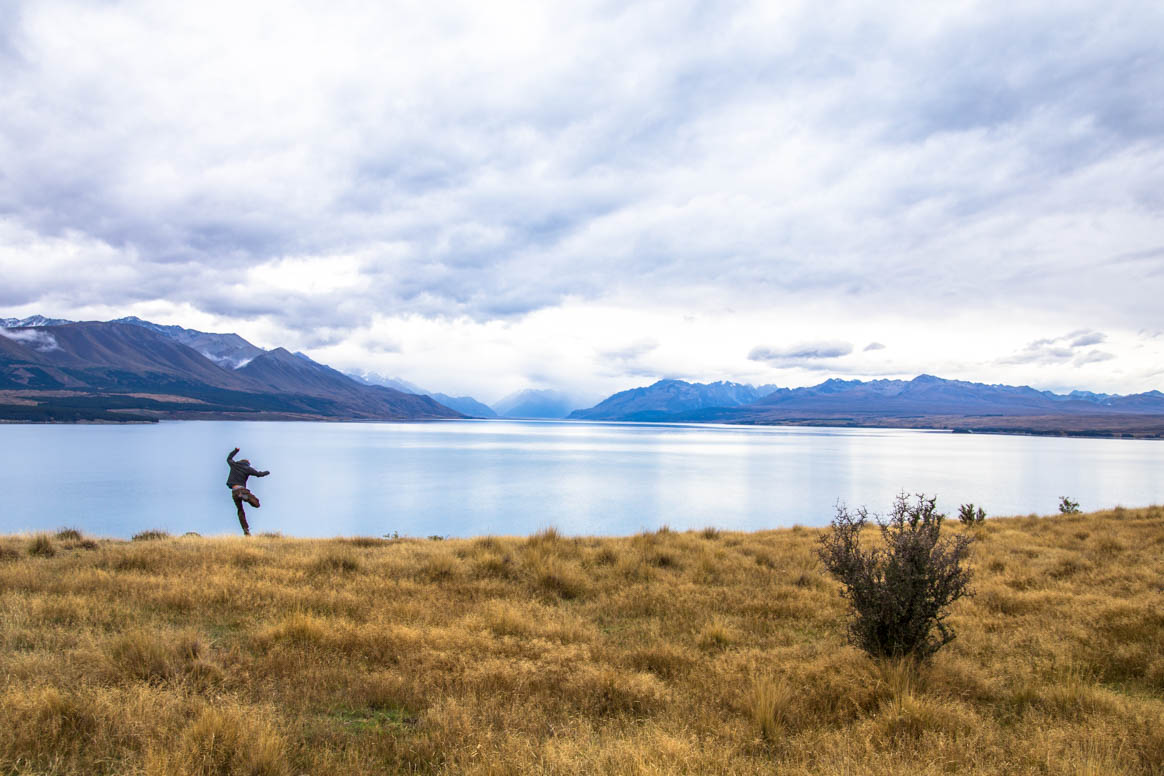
237,482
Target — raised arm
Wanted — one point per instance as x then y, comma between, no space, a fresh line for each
231,455
261,474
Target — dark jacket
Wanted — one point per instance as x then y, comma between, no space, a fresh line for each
240,471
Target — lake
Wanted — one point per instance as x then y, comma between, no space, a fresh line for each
466,478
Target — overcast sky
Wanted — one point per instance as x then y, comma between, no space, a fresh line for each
484,197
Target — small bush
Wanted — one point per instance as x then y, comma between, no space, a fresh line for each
41,546
899,592
1067,506
971,515
69,535
150,536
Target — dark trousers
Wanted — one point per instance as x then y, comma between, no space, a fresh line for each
240,495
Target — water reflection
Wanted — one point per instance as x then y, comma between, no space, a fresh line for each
505,477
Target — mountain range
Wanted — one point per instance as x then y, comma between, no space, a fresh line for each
535,403
134,370
130,369
667,398
923,402
466,405
529,403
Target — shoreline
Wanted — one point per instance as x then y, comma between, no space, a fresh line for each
1131,433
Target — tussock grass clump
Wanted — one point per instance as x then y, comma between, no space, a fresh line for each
583,656
150,536
69,535
335,562
154,656
225,740
365,542
560,579
666,661
770,704
134,560
41,546
439,568
44,724
716,635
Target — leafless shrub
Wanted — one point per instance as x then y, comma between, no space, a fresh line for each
900,591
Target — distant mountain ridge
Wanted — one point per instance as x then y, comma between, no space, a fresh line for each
925,401
544,404
466,405
227,350
135,370
670,397
399,384
131,369
930,395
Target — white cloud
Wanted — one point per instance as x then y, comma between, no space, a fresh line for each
438,186
37,339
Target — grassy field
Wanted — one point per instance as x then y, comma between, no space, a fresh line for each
663,653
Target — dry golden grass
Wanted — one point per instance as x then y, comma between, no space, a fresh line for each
699,652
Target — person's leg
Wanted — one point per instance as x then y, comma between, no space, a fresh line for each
242,516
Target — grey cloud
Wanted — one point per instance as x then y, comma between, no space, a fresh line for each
1061,350
631,352
1092,357
1084,338
805,351
628,361
649,150
380,346
874,346
1037,353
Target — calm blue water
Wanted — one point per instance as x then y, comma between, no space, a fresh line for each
465,478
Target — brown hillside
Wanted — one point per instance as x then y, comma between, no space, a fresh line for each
703,652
